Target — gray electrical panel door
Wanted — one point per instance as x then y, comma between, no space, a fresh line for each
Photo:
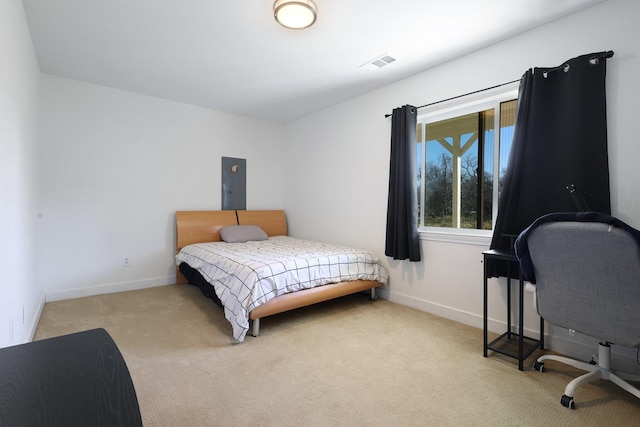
234,183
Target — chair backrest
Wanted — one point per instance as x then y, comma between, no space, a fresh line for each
588,279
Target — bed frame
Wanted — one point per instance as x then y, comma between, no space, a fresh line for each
204,226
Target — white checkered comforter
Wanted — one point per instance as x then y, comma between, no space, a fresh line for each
245,275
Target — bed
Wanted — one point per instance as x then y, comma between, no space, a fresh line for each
198,235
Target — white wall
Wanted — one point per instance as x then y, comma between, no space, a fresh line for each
21,294
117,165
338,159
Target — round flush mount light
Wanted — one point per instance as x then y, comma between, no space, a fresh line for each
295,14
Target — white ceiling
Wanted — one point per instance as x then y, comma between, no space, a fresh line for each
231,55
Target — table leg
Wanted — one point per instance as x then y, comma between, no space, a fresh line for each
485,325
521,325
509,304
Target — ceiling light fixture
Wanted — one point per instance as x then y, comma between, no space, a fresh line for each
295,14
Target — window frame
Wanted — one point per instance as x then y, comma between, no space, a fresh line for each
459,106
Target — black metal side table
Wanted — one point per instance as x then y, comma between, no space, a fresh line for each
506,343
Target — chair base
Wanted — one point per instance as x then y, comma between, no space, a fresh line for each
600,370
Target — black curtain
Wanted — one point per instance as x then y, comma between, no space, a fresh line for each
558,160
402,208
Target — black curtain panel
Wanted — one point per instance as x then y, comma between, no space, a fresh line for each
403,241
558,160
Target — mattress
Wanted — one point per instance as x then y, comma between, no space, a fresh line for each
246,275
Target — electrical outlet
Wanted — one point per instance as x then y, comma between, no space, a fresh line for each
126,261
572,332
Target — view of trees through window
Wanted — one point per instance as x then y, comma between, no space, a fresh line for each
463,162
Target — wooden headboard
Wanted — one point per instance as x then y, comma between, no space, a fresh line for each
201,226
204,226
274,223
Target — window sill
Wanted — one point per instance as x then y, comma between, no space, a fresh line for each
451,235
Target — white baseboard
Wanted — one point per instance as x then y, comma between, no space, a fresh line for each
33,324
447,312
109,288
580,347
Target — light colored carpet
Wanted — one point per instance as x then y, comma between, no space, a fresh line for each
348,362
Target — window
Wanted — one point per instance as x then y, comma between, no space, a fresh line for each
462,161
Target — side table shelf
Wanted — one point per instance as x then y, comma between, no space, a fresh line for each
510,343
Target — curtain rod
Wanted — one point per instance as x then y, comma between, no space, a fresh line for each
460,96
593,61
606,55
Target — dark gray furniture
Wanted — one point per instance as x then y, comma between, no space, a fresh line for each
587,276
79,379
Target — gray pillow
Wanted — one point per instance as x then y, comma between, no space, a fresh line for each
242,233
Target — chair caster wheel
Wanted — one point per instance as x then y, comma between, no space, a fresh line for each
538,366
567,402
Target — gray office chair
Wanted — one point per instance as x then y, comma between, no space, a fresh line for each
586,270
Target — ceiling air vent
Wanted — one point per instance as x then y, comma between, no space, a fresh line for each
378,62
